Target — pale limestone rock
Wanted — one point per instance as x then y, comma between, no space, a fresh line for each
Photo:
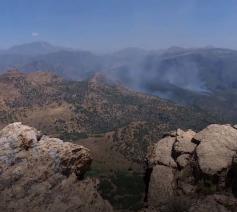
183,142
162,153
38,173
218,145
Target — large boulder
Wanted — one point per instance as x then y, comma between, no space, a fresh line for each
184,142
39,173
218,146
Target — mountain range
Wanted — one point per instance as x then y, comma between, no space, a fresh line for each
200,77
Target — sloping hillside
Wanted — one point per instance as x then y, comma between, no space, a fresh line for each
92,106
117,124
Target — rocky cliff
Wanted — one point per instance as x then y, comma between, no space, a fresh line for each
39,173
195,172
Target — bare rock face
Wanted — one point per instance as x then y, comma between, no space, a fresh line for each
184,142
161,153
198,167
218,145
162,181
38,173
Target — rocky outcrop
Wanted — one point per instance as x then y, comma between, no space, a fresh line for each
198,167
183,142
39,173
218,145
162,153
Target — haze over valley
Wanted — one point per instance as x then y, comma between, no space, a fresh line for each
199,77
118,106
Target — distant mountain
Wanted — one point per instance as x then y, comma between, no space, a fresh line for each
31,49
194,69
69,64
130,53
9,61
190,76
42,56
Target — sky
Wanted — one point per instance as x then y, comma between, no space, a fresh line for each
107,25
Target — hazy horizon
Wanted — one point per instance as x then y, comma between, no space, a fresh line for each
110,25
77,48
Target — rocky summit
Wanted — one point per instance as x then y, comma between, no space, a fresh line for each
39,173
194,172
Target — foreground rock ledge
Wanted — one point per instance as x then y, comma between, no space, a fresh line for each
194,172
39,173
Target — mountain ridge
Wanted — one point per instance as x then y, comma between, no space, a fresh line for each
33,48
195,72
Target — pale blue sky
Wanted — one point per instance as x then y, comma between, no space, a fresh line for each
103,25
